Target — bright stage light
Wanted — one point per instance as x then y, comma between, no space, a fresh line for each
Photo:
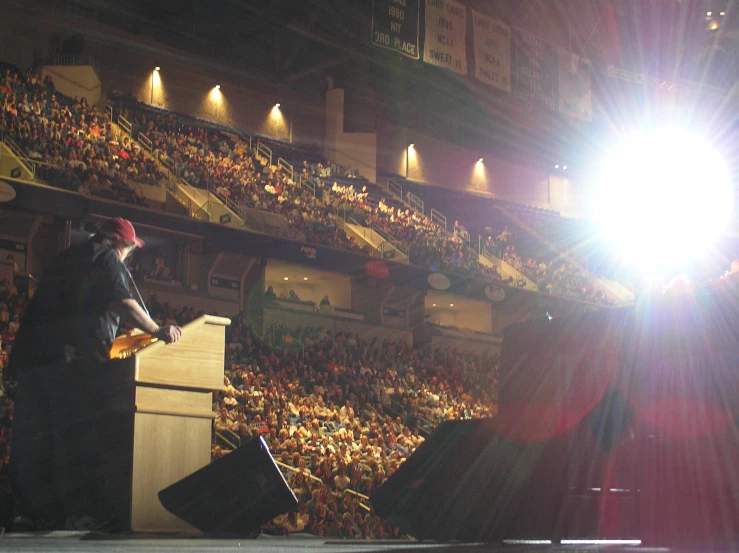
663,197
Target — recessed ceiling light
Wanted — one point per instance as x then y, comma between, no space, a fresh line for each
556,166
305,278
434,305
564,168
451,305
286,278
708,14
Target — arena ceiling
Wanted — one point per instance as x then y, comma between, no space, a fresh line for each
642,44
292,41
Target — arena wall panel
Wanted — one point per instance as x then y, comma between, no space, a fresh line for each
125,62
434,162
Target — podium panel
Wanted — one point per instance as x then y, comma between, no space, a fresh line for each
172,416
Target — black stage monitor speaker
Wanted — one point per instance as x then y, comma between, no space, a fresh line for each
234,495
467,482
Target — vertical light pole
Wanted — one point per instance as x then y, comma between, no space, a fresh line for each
151,97
407,159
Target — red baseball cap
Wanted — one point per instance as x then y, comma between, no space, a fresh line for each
122,229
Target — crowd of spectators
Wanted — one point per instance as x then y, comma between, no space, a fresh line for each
225,164
341,413
559,277
77,149
12,305
72,145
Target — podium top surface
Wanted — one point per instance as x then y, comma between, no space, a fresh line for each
194,361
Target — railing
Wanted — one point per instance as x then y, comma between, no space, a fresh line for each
71,59
22,158
264,152
230,204
145,141
307,183
202,213
438,218
463,234
125,124
197,212
169,166
109,112
285,166
394,187
490,253
312,478
416,203
219,435
391,239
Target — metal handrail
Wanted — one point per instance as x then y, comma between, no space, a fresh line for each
321,482
416,203
168,165
306,183
22,157
438,218
462,233
109,112
265,152
402,248
230,204
220,435
125,124
285,166
145,141
394,187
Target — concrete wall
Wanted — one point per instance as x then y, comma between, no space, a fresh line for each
434,162
366,331
355,150
179,297
75,80
185,84
319,284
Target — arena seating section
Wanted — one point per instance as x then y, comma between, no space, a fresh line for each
77,148
339,413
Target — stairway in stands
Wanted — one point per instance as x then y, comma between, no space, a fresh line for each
200,203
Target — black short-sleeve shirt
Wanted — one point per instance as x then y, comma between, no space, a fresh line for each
70,316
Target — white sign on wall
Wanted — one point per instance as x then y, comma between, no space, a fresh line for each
492,40
446,34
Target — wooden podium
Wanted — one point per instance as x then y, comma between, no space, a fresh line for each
171,387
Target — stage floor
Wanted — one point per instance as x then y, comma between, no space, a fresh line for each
84,542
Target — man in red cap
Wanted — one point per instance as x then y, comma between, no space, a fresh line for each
62,410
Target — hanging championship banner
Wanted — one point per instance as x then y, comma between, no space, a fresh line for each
395,26
534,69
492,51
575,93
445,35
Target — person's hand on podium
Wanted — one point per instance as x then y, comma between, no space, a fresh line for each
168,334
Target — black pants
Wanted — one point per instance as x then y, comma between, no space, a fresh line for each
71,443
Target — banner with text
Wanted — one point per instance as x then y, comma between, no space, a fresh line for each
395,26
534,69
492,40
446,34
575,93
